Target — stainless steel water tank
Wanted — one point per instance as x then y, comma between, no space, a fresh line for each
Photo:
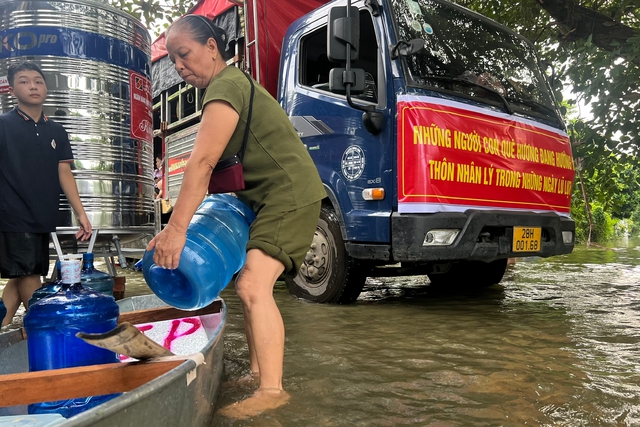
96,61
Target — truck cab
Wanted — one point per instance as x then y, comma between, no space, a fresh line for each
448,157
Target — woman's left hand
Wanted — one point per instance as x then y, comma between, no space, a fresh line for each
168,244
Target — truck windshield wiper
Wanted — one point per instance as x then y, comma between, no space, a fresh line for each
505,103
537,106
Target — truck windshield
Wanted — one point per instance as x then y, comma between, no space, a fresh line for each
461,46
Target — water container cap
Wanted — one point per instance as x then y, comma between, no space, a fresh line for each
71,270
87,256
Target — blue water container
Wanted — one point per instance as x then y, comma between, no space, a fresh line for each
3,311
51,325
93,279
48,288
214,251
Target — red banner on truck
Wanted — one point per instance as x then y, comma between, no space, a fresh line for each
453,157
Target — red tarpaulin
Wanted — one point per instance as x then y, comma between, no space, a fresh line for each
208,8
274,17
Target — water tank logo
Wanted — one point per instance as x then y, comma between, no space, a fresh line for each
25,40
353,162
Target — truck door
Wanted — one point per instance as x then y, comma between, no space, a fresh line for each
350,159
355,165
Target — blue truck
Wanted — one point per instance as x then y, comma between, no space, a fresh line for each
434,129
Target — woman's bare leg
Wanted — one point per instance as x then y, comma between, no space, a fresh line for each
265,337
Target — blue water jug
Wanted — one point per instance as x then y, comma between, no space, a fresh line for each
93,279
48,288
214,251
3,311
51,325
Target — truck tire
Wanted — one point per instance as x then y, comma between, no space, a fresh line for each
471,274
328,274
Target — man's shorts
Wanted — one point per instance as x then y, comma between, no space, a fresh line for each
285,236
23,254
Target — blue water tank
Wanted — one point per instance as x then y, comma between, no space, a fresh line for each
93,279
214,251
48,288
51,325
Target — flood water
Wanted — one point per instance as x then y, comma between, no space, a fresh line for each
555,344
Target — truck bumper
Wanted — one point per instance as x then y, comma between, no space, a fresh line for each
484,235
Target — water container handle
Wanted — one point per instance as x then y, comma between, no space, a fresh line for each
56,244
92,241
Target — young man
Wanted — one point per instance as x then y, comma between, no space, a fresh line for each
35,164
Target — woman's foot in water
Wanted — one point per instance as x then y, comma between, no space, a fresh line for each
262,400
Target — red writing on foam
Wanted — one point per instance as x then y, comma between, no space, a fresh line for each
175,325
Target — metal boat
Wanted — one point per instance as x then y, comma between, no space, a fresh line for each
179,392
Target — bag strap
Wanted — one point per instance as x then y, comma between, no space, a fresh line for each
246,129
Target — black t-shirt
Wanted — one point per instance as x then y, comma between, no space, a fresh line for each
29,181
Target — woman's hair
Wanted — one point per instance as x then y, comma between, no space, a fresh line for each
201,30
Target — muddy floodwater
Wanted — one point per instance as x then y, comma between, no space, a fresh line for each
555,344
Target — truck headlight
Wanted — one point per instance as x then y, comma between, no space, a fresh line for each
567,237
440,237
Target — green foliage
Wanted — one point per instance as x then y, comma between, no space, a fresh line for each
610,179
156,15
614,199
602,225
579,215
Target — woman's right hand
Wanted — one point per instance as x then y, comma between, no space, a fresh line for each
168,245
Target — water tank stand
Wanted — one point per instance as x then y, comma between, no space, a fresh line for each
121,257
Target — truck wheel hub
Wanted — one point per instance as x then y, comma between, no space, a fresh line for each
316,262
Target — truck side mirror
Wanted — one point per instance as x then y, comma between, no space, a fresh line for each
340,77
343,31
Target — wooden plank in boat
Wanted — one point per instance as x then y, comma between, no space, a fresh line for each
166,313
69,383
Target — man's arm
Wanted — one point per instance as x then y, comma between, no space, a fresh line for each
70,189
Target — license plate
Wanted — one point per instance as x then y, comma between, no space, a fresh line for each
527,239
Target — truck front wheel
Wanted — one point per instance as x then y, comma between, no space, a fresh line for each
328,274
470,274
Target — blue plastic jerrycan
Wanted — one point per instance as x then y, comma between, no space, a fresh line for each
48,288
214,251
51,325
93,279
